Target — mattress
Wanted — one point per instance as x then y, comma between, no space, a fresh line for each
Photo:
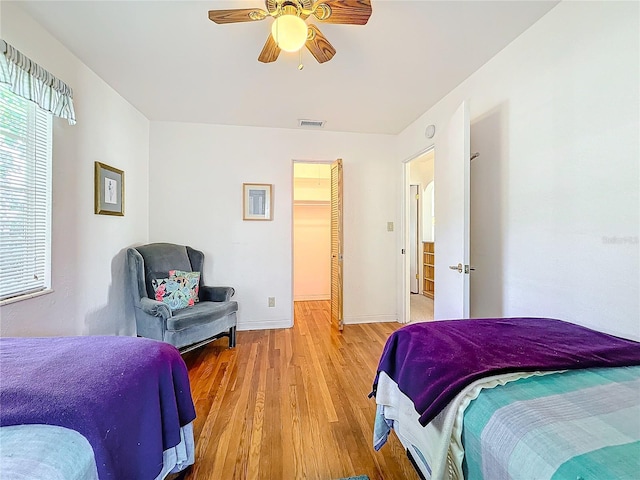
435,448
577,424
36,452
543,425
129,397
29,452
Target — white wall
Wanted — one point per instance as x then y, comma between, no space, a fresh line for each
555,117
87,250
312,251
421,170
421,173
195,189
428,213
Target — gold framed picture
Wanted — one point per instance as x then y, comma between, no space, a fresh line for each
109,190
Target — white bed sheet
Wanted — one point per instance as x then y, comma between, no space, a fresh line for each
437,447
181,456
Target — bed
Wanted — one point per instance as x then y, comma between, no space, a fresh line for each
93,407
509,398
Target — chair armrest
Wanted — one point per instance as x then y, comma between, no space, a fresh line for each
155,308
216,294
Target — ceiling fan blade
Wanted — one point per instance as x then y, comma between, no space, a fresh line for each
270,51
319,46
237,15
350,12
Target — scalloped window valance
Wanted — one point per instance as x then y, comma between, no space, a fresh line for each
29,80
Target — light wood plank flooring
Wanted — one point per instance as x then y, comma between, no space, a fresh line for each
292,403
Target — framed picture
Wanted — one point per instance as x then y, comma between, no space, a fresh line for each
257,201
109,186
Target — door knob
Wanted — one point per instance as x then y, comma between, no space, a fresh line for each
456,267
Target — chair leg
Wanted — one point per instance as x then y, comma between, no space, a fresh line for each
232,337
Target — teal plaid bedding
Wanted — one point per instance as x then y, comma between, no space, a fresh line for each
576,425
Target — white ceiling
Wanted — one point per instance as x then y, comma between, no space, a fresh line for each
172,63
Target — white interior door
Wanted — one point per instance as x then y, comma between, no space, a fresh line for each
413,238
451,175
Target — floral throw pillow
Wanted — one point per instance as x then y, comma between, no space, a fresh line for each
189,280
178,291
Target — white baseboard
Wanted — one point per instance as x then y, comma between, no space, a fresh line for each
287,323
305,298
264,324
370,319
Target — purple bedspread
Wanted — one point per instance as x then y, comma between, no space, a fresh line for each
432,362
128,396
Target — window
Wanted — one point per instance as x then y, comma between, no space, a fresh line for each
25,196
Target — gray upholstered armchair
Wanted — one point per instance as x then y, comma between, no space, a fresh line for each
210,315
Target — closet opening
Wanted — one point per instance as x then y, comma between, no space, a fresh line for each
312,235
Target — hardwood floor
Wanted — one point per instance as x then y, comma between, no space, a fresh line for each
292,403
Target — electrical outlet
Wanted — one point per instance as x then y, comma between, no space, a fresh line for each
389,226
272,301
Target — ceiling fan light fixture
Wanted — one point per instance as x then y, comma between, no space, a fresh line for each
289,32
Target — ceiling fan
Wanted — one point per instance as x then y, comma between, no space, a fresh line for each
290,32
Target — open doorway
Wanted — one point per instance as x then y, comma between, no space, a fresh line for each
312,232
317,238
453,264
419,174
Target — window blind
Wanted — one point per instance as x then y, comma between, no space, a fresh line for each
25,196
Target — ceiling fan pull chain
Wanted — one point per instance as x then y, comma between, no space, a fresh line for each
277,36
300,65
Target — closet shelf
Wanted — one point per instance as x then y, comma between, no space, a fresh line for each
428,270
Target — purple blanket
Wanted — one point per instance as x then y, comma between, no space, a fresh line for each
432,362
127,396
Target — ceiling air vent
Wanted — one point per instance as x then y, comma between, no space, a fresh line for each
311,123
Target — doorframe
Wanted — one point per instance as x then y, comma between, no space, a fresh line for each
415,215
293,162
405,295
